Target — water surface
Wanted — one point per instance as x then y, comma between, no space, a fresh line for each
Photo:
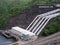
5,41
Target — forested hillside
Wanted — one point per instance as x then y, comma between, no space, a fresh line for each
53,27
11,8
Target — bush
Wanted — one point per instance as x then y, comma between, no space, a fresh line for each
52,28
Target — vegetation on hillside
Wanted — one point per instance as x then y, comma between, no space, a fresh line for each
53,27
11,8
42,2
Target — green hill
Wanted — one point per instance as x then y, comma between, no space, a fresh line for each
11,8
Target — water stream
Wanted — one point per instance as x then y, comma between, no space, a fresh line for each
5,41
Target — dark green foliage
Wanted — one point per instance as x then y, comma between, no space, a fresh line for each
53,27
41,2
10,8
